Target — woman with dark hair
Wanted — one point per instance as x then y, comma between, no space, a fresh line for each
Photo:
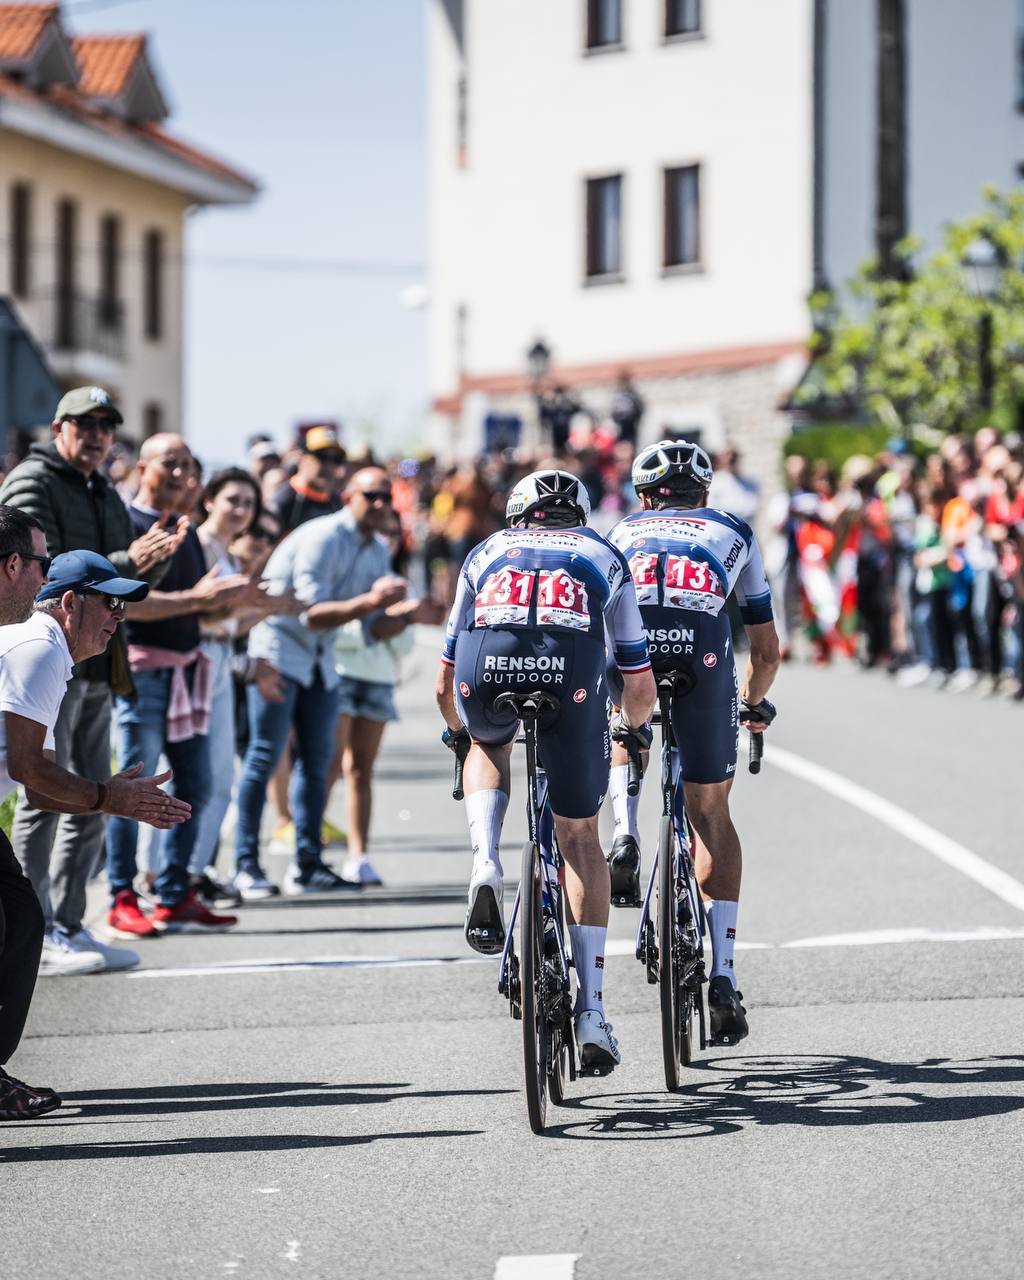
232,503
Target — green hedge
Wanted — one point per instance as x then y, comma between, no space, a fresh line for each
837,441
7,813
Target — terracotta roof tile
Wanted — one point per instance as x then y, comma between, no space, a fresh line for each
106,63
21,25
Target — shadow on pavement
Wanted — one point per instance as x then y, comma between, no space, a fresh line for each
210,1146
825,1092
192,1099
408,896
346,928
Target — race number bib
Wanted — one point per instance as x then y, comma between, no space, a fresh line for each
504,599
692,584
644,569
561,600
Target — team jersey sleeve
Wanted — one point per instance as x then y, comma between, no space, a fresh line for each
752,593
458,619
624,627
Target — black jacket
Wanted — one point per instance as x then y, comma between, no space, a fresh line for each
77,515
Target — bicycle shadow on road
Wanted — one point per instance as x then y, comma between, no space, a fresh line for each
815,1092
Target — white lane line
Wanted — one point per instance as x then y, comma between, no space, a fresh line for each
920,833
537,1266
615,947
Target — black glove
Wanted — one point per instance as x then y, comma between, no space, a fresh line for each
642,735
763,712
457,741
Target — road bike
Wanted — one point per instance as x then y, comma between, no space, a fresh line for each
673,923
536,980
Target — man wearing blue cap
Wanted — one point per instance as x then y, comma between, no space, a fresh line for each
79,603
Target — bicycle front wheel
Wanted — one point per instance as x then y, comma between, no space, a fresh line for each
673,1043
535,1025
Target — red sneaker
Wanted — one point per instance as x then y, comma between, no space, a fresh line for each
190,916
127,919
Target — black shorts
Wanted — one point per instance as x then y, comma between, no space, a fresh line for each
705,721
574,745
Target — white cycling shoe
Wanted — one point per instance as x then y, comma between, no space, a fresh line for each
485,924
599,1050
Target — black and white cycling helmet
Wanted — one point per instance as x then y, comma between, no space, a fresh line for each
555,497
672,467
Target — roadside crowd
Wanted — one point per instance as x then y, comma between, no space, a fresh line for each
908,563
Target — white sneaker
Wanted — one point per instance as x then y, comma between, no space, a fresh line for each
359,871
59,959
962,680
599,1050
114,959
915,675
485,924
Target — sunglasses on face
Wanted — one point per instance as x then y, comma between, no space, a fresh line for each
377,495
44,562
264,535
113,604
335,459
94,422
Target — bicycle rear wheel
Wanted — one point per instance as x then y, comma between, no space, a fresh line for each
668,953
535,1025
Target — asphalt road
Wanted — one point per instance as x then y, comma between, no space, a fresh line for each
334,1090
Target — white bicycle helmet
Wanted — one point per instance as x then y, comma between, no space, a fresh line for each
672,465
548,493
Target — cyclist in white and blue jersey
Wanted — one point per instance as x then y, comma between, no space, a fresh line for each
537,604
686,560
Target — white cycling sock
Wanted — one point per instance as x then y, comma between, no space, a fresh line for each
588,956
624,806
722,926
485,812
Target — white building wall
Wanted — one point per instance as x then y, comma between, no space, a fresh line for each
507,238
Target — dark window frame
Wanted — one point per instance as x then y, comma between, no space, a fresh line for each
66,272
673,29
20,264
593,15
595,256
153,271
152,418
110,269
673,257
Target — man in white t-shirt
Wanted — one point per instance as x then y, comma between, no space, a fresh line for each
80,599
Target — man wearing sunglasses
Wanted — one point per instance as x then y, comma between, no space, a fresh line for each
80,598
62,485
314,489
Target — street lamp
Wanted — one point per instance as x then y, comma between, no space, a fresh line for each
538,362
983,263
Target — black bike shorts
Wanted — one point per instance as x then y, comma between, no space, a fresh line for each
705,721
574,745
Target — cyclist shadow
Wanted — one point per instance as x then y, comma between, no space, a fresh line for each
815,1092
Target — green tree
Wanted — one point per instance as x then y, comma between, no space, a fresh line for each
906,351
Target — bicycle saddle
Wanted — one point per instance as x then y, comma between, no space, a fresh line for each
528,705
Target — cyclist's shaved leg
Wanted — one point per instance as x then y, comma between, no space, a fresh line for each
587,893
719,865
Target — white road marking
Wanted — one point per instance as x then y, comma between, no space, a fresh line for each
614,947
291,1253
537,1266
926,837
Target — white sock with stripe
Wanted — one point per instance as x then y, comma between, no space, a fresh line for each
722,927
624,806
588,956
485,812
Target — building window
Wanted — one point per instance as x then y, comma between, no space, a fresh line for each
604,226
462,122
682,216
152,419
682,18
66,266
604,23
110,270
21,239
153,285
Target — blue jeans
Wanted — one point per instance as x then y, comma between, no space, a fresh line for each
313,713
141,734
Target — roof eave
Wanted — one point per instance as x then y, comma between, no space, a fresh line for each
132,155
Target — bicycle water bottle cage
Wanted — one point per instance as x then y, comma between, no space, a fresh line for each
528,705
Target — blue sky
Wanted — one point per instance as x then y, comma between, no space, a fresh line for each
324,102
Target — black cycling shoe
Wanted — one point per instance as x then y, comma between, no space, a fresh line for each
624,865
728,1016
485,928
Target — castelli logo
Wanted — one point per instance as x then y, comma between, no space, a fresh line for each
513,553
464,689
710,660
640,542
580,695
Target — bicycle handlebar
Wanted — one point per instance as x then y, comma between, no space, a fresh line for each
457,792
756,752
